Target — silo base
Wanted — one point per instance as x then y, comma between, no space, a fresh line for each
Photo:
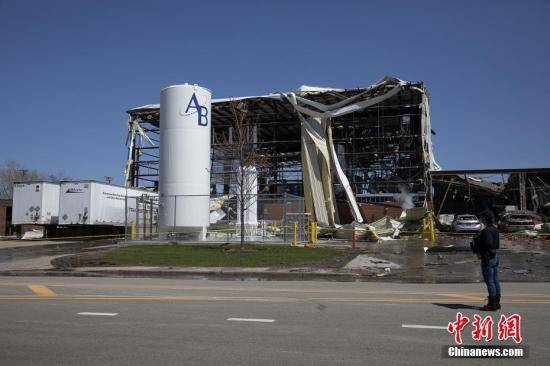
187,234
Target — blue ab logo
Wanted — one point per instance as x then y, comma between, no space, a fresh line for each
202,111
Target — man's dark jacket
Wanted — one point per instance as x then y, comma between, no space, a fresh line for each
487,243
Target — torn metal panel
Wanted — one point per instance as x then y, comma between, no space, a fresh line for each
324,114
427,134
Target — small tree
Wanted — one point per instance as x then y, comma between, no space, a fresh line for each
240,146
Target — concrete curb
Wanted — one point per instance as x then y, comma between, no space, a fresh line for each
236,276
211,275
44,273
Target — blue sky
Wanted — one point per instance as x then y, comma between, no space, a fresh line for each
69,69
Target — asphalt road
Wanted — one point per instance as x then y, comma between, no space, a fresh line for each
53,321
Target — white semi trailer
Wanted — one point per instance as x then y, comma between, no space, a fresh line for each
96,203
35,203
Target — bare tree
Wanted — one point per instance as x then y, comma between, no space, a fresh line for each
12,171
240,146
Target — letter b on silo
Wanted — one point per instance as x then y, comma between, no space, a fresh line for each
202,111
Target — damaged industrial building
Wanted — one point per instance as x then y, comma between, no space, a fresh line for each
340,149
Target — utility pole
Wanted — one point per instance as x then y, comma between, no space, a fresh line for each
23,173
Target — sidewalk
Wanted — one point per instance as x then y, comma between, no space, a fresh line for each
16,243
37,255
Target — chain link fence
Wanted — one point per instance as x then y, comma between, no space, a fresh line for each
267,219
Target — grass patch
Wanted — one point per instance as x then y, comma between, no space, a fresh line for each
218,256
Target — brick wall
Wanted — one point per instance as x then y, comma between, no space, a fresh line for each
375,211
5,205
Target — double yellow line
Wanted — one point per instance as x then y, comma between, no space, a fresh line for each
44,292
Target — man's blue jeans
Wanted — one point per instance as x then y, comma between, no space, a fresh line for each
490,275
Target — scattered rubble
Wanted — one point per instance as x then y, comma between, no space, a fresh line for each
448,248
387,228
362,232
33,234
366,262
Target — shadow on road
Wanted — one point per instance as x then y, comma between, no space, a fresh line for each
457,306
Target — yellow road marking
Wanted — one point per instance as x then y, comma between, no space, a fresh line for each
41,290
463,296
469,295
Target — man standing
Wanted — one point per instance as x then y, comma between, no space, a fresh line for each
485,246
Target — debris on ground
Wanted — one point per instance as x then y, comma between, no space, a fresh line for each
387,228
444,223
366,262
217,215
447,248
363,232
446,219
33,234
530,233
543,228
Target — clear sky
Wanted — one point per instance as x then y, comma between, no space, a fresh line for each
69,69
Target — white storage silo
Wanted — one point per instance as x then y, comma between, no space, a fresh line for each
184,177
249,182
